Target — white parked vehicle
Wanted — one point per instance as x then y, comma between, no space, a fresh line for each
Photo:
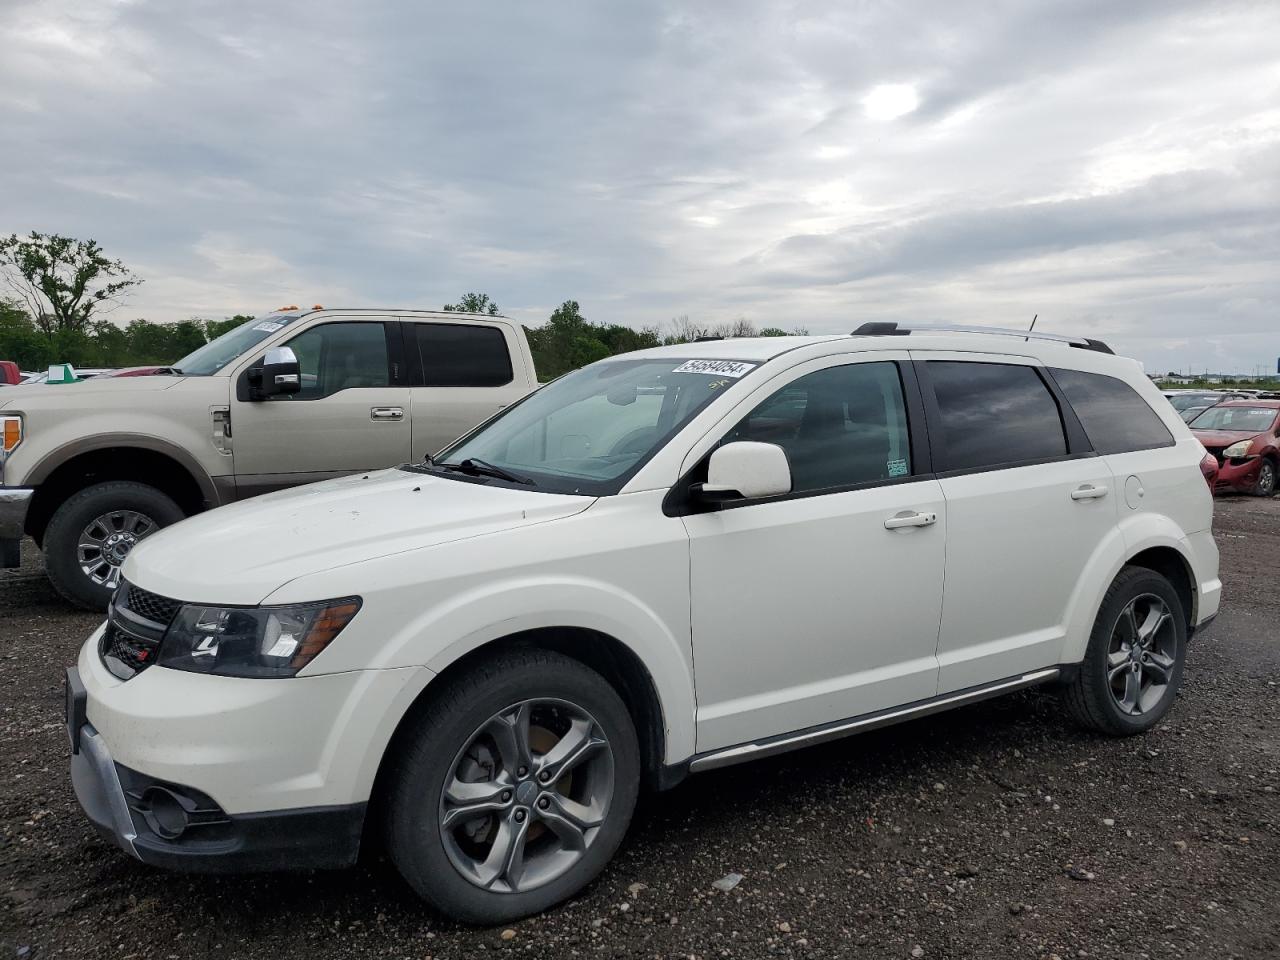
665,562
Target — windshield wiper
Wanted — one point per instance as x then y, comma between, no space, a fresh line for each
482,468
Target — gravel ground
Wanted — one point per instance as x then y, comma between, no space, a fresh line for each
994,831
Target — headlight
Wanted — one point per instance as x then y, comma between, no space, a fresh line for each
1240,449
253,641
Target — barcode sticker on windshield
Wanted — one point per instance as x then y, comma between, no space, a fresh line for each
715,368
267,326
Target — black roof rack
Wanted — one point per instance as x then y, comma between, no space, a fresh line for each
890,328
705,339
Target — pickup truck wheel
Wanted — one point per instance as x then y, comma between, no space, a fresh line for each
513,788
93,531
1133,665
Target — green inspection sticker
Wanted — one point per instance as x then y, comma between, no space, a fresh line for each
897,468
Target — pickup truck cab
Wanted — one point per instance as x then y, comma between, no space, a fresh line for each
89,469
662,563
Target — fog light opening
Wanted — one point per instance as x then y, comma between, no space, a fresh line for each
165,813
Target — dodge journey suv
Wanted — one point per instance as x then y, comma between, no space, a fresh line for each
660,564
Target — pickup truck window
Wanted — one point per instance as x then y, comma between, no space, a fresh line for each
591,430
462,355
216,354
341,356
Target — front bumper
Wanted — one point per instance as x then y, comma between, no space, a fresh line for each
14,504
175,826
1239,476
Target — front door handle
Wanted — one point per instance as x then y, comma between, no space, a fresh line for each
386,413
1088,492
910,518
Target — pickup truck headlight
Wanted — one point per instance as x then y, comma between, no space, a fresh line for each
1240,449
253,641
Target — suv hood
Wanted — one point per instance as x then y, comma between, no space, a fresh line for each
240,554
1222,438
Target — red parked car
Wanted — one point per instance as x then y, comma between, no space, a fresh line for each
1243,436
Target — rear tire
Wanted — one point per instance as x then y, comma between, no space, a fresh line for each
457,754
1133,665
114,515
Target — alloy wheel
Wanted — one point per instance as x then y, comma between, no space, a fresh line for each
526,795
1267,478
1142,654
106,541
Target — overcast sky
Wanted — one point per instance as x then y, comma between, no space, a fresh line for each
1112,166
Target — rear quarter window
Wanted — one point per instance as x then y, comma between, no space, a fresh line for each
1115,418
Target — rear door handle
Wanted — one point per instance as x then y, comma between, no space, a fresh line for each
386,413
910,518
1088,492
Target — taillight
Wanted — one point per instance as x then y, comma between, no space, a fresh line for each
1209,469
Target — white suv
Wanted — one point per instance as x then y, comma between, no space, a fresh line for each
665,562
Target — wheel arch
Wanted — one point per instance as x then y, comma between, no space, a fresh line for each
74,466
1151,541
620,666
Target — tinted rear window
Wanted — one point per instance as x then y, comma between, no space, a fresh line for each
1111,412
994,414
457,355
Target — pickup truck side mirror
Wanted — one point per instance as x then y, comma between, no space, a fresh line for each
279,374
745,470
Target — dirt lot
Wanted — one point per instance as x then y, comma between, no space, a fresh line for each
995,831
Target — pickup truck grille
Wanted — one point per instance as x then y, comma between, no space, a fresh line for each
136,623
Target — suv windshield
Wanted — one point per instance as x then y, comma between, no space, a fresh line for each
1243,419
216,354
591,430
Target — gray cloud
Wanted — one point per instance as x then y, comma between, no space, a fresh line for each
1109,166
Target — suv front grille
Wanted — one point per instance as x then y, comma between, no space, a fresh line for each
149,606
136,623
126,655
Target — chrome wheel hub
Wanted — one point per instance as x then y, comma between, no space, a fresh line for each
1141,657
106,541
526,795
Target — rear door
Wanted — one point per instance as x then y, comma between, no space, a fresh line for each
463,372
1028,505
350,415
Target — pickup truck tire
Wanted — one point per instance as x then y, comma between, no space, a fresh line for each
115,514
1133,665
462,791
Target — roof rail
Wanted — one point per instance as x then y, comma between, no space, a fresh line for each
707,339
890,328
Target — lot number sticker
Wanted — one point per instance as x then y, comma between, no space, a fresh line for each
715,368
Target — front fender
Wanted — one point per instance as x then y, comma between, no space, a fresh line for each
492,611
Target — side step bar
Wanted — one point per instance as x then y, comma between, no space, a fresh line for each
871,721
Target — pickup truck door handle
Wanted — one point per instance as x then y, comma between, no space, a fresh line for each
910,518
1088,492
386,413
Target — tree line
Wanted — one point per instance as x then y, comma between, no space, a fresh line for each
59,291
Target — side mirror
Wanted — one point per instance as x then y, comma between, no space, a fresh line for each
746,470
278,375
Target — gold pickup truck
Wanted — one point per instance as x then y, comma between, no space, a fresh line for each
89,469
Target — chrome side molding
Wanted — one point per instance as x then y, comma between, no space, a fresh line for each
844,728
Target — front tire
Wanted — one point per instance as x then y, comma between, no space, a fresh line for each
90,534
513,787
1133,665
1266,485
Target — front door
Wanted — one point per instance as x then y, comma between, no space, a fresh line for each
348,417
1028,506
822,604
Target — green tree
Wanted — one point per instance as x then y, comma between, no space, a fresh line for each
213,329
474,303
62,281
